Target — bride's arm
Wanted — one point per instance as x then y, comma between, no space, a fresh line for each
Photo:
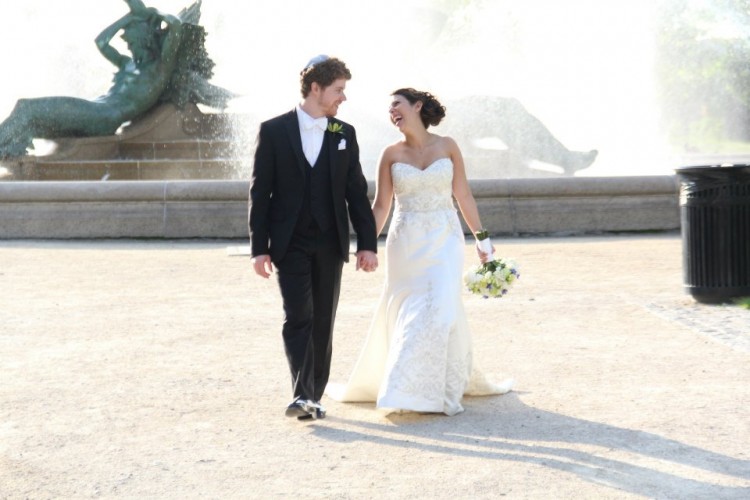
464,198
461,189
381,207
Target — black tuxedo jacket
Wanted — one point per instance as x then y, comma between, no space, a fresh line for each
278,183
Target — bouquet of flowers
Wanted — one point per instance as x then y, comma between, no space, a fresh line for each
493,278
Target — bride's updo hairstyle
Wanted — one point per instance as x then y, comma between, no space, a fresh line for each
432,112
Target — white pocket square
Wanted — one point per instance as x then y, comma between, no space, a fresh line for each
342,144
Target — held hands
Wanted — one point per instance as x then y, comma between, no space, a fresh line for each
367,260
262,265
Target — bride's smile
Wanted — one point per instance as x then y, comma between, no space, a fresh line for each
398,109
396,118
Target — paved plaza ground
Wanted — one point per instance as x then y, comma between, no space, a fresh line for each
155,369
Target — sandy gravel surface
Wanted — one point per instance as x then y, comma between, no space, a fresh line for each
151,369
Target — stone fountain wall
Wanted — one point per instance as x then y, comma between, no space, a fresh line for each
218,209
141,183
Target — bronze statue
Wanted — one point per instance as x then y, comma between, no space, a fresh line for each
167,63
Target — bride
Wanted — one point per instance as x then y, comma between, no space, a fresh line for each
417,355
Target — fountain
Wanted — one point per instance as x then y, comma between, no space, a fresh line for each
590,72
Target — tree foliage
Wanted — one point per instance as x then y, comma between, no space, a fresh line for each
703,72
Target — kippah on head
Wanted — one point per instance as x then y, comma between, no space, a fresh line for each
315,60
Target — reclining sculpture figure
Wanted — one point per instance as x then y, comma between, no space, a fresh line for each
167,63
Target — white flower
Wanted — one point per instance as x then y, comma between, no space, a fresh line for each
471,278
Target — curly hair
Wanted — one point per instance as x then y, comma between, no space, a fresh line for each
432,112
146,37
324,71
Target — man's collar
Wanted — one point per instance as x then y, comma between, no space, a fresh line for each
307,122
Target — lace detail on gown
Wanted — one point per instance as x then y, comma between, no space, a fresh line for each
417,355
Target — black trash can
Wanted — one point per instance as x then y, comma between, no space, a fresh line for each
715,220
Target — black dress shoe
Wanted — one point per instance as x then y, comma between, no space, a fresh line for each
300,408
318,412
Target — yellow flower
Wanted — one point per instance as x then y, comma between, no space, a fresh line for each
336,128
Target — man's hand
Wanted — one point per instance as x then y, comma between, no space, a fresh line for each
367,260
263,266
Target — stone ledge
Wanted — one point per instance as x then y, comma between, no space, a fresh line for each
128,170
575,186
218,209
104,192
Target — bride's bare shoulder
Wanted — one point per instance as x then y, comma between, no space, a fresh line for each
446,141
396,147
392,151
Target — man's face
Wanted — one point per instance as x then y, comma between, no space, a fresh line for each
328,99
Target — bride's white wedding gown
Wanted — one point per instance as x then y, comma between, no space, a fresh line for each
417,355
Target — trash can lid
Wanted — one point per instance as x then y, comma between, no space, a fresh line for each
720,169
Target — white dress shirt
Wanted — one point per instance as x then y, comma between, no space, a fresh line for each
311,131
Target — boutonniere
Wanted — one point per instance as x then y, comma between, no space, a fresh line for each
336,128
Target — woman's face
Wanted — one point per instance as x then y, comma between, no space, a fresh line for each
402,111
136,35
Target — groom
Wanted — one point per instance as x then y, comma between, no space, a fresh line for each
306,177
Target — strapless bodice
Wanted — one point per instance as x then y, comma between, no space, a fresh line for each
423,190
